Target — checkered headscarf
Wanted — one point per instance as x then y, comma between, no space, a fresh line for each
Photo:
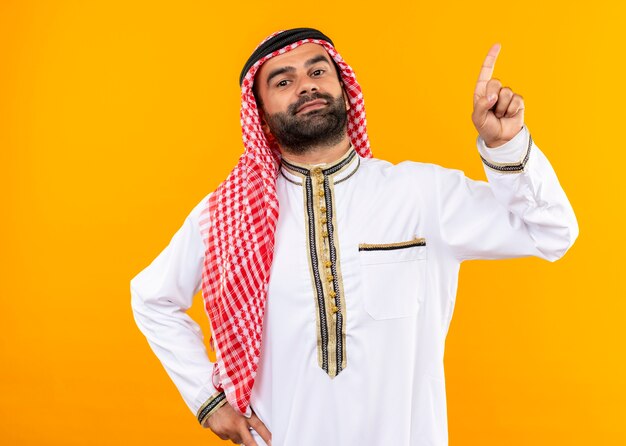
238,223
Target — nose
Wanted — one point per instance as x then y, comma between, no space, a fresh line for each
307,86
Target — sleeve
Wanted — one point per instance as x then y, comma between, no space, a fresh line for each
160,296
521,211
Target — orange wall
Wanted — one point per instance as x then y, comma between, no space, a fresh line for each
117,117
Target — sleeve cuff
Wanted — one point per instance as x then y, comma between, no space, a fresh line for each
510,157
210,406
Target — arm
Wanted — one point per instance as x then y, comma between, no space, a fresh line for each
521,211
160,296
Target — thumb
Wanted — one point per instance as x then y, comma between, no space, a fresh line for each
482,107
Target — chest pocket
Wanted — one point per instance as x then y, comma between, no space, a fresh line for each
394,278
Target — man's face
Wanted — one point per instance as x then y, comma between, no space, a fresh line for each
303,104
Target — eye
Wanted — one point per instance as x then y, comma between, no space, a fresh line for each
282,83
318,72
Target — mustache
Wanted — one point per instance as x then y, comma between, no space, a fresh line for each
293,108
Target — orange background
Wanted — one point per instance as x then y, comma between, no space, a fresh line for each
116,118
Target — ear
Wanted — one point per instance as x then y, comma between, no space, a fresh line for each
264,126
346,98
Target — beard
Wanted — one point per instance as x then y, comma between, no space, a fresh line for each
322,127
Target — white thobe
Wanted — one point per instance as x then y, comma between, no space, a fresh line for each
388,269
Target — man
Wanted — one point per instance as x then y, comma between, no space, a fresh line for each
330,276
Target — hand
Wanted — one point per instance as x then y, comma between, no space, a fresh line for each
500,118
230,425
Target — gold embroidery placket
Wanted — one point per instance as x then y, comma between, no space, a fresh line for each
325,271
324,259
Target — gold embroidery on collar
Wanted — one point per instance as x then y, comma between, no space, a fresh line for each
358,164
302,170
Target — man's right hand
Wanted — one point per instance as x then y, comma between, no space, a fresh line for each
228,424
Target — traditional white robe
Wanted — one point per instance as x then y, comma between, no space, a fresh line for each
362,290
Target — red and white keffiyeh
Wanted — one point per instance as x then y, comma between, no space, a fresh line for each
237,226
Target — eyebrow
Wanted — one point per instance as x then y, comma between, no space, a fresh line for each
289,69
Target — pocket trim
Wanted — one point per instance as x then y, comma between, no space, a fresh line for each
417,241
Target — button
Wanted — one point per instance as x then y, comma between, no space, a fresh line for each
329,278
334,309
332,294
316,170
327,263
324,220
323,209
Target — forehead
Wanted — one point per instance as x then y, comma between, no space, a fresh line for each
294,58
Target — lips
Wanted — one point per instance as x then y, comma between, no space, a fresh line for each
311,105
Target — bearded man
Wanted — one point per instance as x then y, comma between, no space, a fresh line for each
329,276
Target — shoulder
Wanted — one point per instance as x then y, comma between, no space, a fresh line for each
406,170
199,211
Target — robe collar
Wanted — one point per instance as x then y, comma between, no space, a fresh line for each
336,171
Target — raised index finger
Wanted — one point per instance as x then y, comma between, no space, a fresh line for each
486,71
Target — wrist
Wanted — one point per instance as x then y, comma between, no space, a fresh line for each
217,400
499,142
495,143
510,157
